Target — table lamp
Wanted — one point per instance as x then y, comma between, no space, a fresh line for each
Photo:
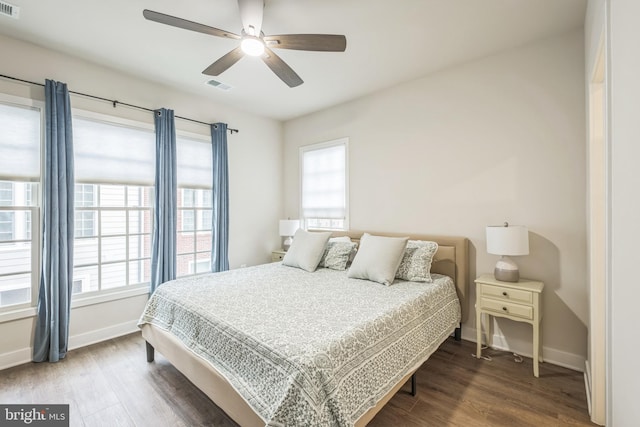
288,228
507,240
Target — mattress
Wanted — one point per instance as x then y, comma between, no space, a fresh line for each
313,349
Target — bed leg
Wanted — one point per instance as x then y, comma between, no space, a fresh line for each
457,335
150,352
414,385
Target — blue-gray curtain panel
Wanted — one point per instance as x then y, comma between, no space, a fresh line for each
220,217
163,253
56,280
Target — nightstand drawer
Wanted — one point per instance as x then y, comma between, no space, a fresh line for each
507,293
277,256
507,308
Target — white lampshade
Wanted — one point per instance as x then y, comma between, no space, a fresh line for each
288,227
507,240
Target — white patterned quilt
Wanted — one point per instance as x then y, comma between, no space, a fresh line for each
312,349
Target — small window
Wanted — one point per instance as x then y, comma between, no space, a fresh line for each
15,296
200,266
16,246
324,185
194,231
85,221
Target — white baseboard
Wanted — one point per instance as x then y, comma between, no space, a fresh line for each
549,355
98,335
15,358
24,355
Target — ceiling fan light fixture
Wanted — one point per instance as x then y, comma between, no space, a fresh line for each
252,45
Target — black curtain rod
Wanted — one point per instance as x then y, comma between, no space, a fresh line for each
115,103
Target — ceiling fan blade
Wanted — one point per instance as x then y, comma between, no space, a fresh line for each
251,12
314,42
187,25
222,64
281,69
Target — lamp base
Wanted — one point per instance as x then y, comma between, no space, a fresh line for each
287,243
506,270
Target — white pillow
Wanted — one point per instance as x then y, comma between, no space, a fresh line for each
378,258
416,261
306,249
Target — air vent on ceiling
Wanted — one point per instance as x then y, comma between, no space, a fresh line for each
219,85
10,10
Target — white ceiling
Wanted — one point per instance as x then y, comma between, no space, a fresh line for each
387,42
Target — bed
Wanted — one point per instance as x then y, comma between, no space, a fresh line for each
279,346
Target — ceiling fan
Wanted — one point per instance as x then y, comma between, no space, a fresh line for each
253,41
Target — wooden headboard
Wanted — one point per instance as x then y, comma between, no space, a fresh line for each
452,259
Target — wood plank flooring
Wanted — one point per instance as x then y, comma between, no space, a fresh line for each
111,384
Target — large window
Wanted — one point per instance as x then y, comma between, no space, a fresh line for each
20,139
114,168
114,172
324,185
114,248
194,206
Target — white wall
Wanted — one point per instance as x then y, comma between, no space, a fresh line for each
501,138
255,173
624,294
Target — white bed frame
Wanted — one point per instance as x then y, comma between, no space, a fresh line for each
451,260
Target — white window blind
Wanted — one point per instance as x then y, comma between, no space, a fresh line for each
194,163
107,152
19,142
324,188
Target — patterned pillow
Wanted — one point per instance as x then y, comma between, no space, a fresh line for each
416,261
337,254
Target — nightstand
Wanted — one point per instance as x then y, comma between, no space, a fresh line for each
277,255
516,301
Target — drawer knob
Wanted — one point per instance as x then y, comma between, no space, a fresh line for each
504,293
505,308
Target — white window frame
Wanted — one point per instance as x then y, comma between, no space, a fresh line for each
318,146
198,209
85,218
15,311
193,266
100,295
99,236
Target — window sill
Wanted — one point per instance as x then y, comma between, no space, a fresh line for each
24,313
83,301
17,314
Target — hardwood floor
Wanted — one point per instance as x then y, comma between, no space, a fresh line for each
111,384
